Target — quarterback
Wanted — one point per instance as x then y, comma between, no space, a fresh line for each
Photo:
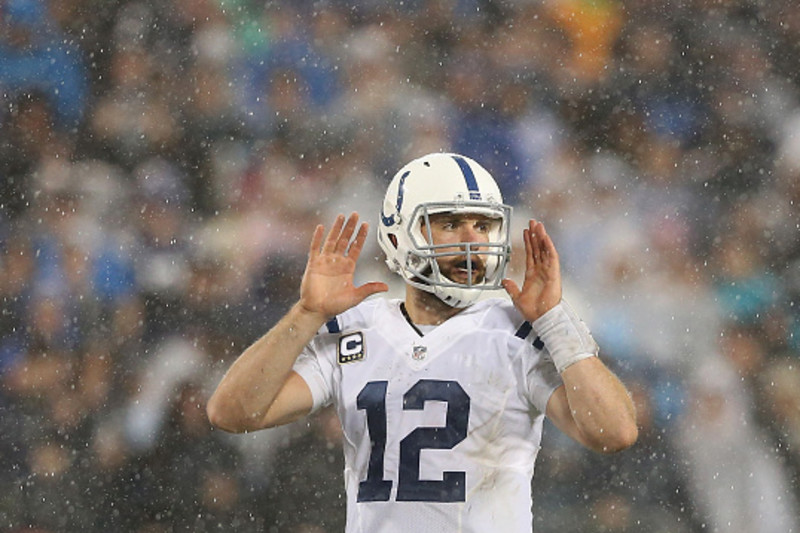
441,395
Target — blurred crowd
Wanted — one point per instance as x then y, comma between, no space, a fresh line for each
163,164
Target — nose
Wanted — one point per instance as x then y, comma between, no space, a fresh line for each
470,234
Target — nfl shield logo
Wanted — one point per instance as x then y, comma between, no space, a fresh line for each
419,353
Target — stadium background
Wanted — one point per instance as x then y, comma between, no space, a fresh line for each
162,165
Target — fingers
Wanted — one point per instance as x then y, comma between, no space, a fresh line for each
539,248
358,243
338,239
333,235
548,248
533,252
535,245
316,241
347,233
526,239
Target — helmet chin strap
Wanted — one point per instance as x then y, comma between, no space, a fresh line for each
453,296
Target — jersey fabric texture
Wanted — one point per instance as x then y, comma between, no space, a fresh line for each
441,430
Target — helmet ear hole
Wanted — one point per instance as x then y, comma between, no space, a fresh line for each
393,239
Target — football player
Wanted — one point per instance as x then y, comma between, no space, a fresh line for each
441,395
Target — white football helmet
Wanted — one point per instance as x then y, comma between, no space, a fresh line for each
443,183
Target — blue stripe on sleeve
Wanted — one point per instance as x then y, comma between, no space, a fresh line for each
333,325
524,330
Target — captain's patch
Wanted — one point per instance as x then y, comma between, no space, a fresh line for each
351,347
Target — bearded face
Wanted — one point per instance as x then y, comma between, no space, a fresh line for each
466,231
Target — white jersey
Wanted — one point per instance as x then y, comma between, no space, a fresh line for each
441,431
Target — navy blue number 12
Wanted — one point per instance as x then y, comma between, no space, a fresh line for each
410,488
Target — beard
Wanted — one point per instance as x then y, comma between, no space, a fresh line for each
456,270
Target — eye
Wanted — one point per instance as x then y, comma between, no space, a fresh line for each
486,226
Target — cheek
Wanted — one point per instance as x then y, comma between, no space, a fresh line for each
442,237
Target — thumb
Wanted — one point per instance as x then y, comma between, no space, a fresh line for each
368,289
511,288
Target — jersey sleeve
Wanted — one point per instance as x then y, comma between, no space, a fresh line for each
314,367
541,375
542,380
538,377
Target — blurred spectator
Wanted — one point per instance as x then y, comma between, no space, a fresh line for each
134,119
637,488
161,253
16,283
30,148
735,479
780,386
593,29
307,489
35,57
745,288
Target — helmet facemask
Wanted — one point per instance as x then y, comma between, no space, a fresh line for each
423,267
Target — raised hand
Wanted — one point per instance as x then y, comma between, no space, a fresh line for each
327,288
541,288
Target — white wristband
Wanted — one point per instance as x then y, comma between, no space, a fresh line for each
565,336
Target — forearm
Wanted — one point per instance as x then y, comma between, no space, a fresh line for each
249,388
594,406
600,406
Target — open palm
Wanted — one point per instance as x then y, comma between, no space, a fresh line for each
541,288
327,287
